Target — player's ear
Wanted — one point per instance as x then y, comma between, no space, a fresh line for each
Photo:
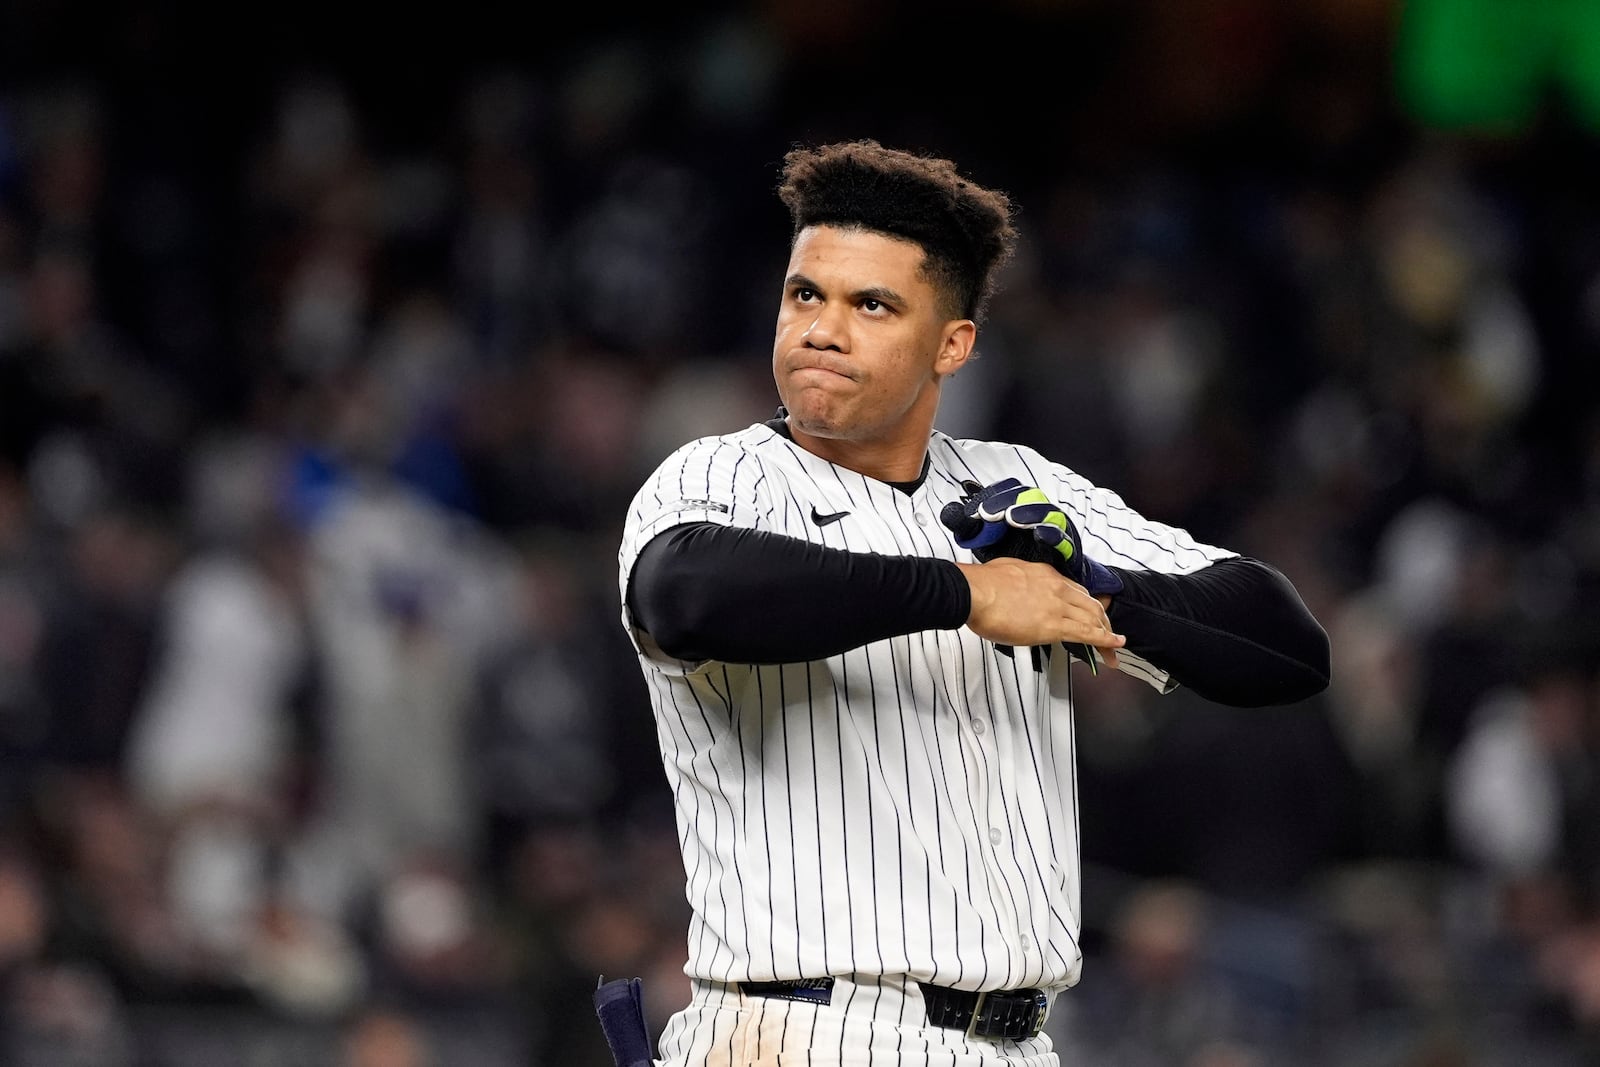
955,346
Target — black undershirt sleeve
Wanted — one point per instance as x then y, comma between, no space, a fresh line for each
1235,632
709,592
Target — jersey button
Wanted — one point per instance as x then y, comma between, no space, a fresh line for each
922,520
1027,943
994,834
978,726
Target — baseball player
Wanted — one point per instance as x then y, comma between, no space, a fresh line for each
858,635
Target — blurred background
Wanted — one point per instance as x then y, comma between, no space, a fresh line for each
334,342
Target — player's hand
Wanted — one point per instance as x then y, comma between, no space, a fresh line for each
1008,519
1018,602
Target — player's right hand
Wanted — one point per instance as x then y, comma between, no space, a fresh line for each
1016,602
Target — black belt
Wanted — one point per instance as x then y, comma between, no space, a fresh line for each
1007,1014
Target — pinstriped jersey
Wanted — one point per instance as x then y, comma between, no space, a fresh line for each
910,806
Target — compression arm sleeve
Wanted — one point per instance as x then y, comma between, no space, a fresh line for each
709,592
1235,632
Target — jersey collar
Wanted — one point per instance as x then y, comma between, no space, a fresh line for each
779,425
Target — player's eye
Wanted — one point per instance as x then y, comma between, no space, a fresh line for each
870,304
804,295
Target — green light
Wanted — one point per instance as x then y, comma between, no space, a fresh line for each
1490,65
1578,59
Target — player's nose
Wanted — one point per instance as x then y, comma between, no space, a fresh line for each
828,331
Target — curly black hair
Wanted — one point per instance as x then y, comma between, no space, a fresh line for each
964,229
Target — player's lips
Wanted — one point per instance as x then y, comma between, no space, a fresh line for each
835,367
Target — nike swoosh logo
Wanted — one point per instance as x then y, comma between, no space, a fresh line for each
823,520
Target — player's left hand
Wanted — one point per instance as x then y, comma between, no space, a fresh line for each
1008,518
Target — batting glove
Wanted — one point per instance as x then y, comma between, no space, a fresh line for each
1008,518
978,527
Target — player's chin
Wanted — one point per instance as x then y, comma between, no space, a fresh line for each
818,416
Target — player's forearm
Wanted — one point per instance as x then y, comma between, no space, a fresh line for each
709,592
1235,632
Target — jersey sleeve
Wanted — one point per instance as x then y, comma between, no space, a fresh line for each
713,479
1117,535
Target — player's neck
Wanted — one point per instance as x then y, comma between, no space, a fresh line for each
898,460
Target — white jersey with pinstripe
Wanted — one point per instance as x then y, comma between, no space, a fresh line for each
907,808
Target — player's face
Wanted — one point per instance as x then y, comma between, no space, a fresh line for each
861,339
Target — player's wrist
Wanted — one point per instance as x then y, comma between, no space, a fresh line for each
980,595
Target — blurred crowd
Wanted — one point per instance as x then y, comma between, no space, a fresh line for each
321,742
